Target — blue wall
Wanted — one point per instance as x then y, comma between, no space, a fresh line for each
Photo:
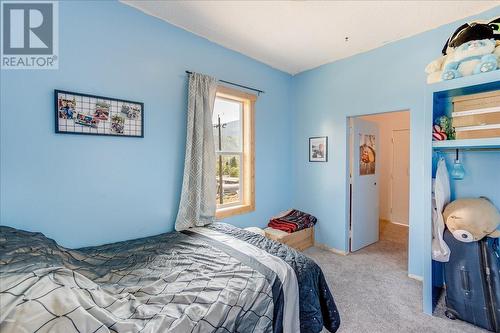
482,176
85,190
389,78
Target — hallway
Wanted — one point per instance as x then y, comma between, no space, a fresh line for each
373,292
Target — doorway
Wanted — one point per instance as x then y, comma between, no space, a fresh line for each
400,177
379,160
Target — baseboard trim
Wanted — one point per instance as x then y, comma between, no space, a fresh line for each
416,277
331,249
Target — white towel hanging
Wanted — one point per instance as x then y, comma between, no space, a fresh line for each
440,250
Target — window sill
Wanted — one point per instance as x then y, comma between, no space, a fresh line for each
222,213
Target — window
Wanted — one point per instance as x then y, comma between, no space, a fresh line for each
233,127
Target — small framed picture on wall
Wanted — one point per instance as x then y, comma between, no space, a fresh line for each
318,149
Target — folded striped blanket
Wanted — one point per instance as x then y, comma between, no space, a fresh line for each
292,220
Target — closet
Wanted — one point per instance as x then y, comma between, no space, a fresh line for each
479,159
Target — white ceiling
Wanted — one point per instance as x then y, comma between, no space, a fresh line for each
294,36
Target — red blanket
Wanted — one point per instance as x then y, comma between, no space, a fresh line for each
292,220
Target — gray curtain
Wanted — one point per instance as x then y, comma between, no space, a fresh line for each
199,186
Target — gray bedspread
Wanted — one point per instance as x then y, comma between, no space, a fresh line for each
172,282
317,307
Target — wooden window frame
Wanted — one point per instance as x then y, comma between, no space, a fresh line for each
248,126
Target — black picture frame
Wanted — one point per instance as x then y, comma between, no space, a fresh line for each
319,140
58,130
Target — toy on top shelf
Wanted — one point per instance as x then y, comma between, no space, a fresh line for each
438,134
443,129
472,49
473,57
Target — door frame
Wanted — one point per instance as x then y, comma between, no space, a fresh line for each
348,160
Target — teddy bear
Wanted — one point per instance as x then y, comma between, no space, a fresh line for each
434,70
471,219
473,36
473,57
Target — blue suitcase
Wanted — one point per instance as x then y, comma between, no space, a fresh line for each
472,279
491,252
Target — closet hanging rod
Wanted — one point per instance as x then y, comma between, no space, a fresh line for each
258,91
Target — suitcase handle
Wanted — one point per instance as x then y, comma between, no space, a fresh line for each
495,247
465,280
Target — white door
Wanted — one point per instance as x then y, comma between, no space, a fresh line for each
400,176
364,184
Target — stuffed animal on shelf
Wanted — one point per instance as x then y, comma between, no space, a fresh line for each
438,134
495,26
434,70
473,48
443,129
496,52
471,219
473,57
472,31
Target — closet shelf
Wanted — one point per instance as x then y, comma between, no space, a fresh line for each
467,144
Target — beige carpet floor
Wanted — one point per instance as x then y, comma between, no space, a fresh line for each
373,292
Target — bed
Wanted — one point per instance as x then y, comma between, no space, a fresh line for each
217,278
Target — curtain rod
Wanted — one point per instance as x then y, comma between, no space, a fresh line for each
237,85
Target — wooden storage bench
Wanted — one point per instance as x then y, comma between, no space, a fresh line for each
299,240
